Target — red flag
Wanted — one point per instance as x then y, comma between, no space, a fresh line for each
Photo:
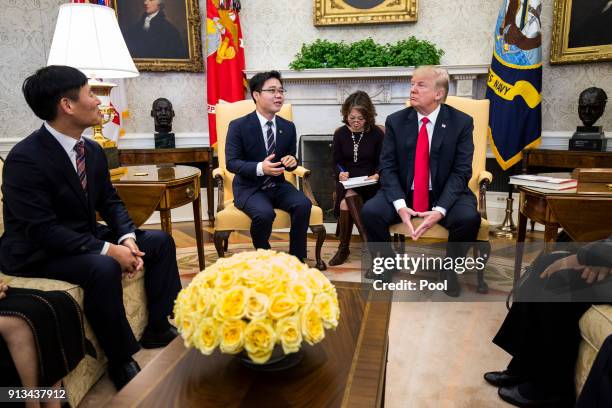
224,60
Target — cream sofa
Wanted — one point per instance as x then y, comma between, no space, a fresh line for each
595,327
89,370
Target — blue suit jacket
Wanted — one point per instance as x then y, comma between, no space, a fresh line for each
245,147
46,212
450,156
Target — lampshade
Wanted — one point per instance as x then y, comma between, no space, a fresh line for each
87,37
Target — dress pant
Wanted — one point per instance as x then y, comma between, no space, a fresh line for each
462,221
100,277
260,208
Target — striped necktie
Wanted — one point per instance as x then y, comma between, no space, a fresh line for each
79,148
271,143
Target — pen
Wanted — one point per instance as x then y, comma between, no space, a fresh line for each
342,170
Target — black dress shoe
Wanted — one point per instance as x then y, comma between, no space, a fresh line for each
123,373
453,288
156,339
512,395
503,378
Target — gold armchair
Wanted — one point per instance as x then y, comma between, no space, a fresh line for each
228,217
479,111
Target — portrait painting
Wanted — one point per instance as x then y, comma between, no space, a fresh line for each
162,35
581,31
341,12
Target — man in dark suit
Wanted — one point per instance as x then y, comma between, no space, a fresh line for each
260,147
54,181
425,166
542,334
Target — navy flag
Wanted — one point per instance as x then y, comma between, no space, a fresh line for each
514,85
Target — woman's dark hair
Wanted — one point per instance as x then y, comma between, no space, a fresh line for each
257,82
44,89
361,101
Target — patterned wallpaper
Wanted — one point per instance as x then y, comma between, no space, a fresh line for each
462,28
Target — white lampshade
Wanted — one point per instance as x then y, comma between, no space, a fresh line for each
87,37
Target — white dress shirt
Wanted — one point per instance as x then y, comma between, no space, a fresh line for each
264,129
68,144
430,126
147,21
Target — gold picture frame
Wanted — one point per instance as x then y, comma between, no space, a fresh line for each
172,40
342,12
575,35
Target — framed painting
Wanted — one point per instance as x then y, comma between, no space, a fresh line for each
162,35
340,12
581,31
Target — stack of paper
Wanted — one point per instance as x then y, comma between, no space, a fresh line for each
355,182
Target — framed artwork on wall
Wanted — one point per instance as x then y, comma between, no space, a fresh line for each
341,12
581,31
162,35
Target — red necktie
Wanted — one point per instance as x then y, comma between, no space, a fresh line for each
420,196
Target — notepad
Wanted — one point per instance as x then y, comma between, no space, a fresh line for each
355,182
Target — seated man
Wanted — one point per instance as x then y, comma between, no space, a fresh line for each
543,337
428,135
54,183
260,147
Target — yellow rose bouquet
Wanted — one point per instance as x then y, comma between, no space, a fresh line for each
253,301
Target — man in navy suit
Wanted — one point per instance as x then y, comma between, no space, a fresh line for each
260,147
425,166
54,182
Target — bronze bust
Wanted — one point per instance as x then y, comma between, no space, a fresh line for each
591,105
163,114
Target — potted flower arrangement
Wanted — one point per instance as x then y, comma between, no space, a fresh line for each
255,301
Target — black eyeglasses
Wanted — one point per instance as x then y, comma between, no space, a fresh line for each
274,91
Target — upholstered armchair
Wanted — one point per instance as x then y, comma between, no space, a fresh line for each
479,111
228,217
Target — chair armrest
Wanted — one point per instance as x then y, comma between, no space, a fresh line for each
301,172
218,174
304,173
484,179
485,175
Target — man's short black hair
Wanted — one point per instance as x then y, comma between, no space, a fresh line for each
44,89
256,83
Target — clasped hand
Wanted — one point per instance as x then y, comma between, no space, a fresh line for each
271,168
589,273
430,218
128,255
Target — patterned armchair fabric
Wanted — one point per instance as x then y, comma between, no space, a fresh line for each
228,217
89,370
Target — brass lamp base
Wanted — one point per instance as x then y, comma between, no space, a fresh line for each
507,229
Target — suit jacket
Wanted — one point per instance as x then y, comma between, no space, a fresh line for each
450,156
46,212
245,147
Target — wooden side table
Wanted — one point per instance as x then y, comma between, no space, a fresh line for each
584,215
130,157
145,189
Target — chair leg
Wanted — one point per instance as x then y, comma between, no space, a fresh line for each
482,249
221,238
319,231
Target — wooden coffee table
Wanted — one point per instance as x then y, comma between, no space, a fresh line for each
347,369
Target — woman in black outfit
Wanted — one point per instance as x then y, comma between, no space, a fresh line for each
356,152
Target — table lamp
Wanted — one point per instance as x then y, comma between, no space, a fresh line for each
88,37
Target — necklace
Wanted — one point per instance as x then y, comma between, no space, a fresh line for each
356,145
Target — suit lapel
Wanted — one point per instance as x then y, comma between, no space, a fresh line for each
436,141
90,166
58,158
409,145
257,132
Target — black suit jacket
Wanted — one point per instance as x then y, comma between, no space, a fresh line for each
245,147
450,156
46,212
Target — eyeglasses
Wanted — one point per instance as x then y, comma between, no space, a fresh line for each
274,91
356,118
